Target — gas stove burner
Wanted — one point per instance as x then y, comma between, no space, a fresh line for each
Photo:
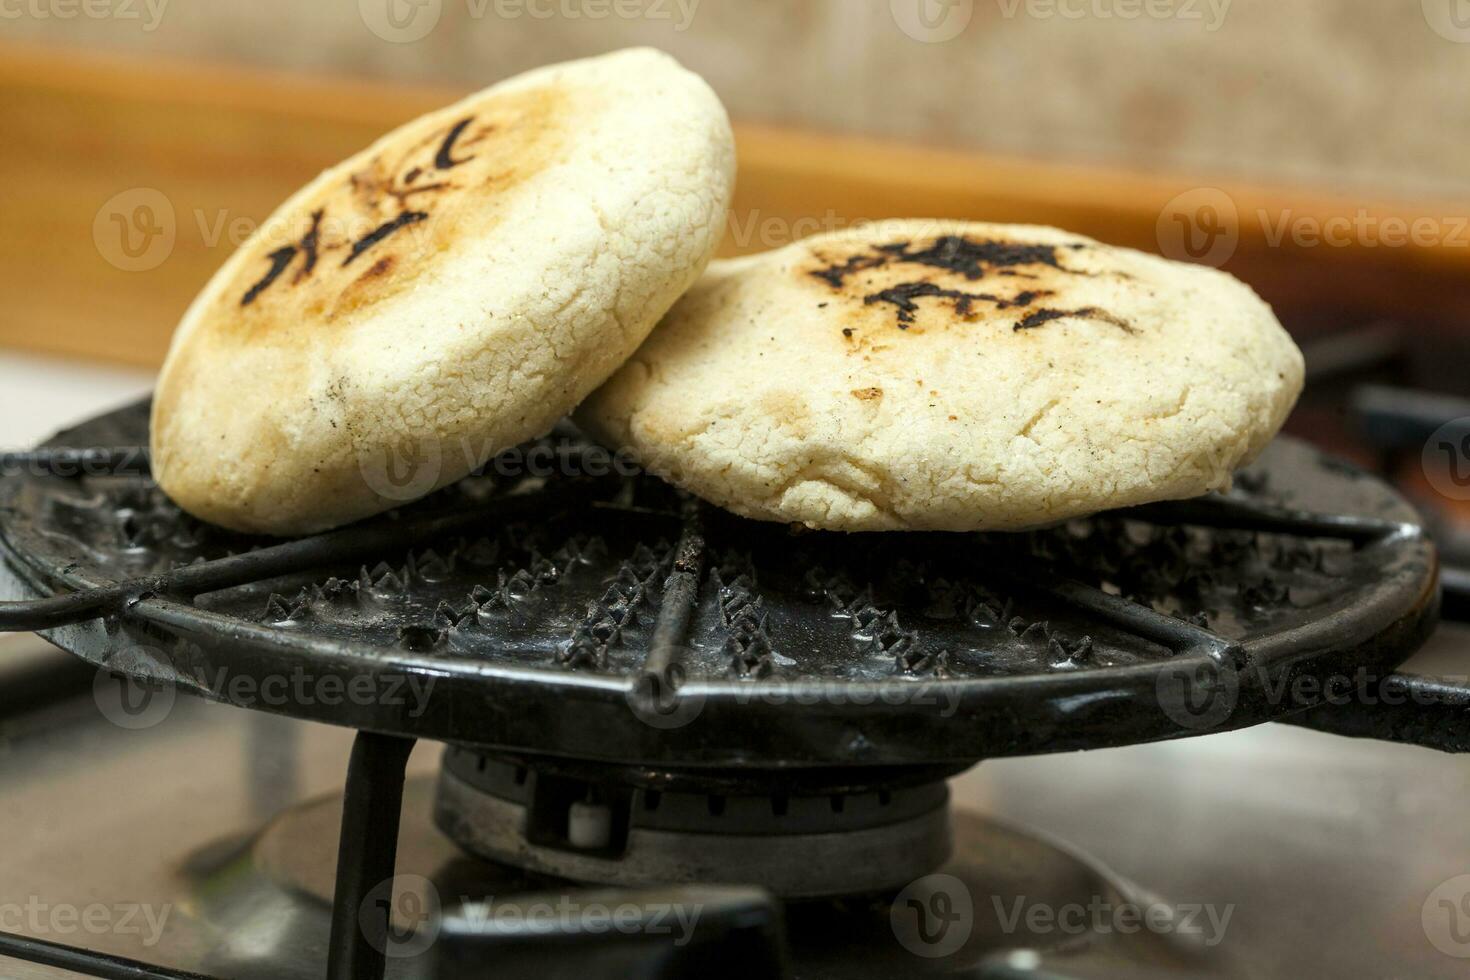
611,619
860,838
271,903
637,688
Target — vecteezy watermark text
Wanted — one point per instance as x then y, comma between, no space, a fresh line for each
1205,225
674,919
410,468
137,229
1202,695
147,14
1103,917
405,21
47,919
1210,14
302,688
934,21
414,908
135,704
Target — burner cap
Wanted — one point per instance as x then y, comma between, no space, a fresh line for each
610,831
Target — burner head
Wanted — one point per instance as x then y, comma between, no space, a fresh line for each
610,619
286,885
615,827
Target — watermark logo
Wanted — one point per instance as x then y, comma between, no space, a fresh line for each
933,916
1199,695
1446,917
1450,19
659,703
135,230
1446,459
402,471
1200,225
400,21
411,903
130,703
932,21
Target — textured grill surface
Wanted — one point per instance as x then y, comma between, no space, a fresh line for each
573,584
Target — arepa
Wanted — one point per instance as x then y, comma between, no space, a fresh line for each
951,376
450,291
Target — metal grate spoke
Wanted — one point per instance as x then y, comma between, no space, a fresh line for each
300,555
1234,514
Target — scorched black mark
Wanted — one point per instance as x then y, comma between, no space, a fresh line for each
903,298
383,231
442,159
834,275
279,259
308,245
971,258
1043,317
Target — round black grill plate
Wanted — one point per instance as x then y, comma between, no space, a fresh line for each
614,619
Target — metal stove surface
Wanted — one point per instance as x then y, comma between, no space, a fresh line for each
1326,851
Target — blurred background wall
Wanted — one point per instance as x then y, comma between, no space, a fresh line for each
1338,94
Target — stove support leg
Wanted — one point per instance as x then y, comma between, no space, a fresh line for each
366,855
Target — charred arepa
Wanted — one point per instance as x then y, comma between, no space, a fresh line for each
448,292
954,376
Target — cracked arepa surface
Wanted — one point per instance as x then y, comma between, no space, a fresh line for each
951,376
448,292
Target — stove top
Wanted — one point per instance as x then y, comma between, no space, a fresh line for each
208,834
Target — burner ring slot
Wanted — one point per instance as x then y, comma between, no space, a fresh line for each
796,845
